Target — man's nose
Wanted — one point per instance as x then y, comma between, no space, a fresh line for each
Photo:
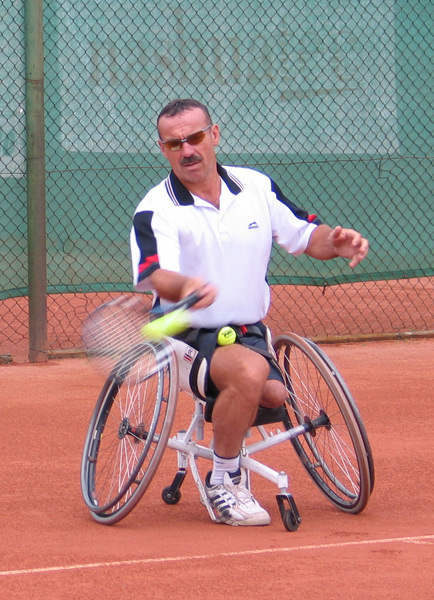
187,149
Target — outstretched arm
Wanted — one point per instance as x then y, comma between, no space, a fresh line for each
326,243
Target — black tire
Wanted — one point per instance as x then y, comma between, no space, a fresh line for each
290,520
128,431
169,498
334,454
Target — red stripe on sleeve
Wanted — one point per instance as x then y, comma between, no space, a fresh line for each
150,260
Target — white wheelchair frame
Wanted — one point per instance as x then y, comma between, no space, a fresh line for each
189,450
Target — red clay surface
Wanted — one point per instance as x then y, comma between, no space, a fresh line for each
52,549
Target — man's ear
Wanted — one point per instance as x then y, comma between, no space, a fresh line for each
215,130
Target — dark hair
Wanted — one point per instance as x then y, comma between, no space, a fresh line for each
180,105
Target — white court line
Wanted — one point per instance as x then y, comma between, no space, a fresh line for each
146,561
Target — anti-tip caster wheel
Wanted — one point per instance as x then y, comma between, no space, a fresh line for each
169,497
290,520
288,511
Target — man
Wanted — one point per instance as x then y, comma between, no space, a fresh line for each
209,229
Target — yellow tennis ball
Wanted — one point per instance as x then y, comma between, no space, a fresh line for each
171,324
226,336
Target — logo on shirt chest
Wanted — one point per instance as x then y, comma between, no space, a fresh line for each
253,225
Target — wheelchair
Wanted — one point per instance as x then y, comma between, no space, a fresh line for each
131,428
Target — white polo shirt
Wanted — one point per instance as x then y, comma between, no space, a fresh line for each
229,247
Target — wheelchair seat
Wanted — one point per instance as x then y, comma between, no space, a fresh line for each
264,416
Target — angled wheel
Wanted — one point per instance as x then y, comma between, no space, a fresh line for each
128,431
355,410
334,452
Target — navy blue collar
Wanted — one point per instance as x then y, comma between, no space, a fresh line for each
180,195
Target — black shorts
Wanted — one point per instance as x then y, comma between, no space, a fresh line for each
255,336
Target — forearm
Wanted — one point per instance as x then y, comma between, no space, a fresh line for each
320,245
168,284
326,243
173,286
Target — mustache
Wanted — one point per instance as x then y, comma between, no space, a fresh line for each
188,160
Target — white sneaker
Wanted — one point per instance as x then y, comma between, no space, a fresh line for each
234,503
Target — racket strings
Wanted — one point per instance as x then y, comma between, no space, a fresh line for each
111,331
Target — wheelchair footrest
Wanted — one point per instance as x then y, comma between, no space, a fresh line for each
288,511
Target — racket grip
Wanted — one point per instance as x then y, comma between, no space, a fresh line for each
185,303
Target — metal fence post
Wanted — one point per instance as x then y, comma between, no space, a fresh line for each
35,151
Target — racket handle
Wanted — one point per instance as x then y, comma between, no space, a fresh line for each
187,302
184,304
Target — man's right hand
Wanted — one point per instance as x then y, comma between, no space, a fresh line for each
207,292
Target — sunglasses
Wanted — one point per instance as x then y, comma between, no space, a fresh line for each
193,140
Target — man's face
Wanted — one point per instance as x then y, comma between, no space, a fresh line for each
191,163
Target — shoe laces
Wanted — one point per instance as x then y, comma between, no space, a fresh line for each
242,494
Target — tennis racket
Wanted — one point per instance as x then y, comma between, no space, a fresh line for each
115,331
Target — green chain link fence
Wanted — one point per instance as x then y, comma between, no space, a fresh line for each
332,99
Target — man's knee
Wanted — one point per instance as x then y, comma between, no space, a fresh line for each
274,394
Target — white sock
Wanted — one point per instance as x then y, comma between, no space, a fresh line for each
222,466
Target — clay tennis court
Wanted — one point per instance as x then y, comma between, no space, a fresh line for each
51,548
